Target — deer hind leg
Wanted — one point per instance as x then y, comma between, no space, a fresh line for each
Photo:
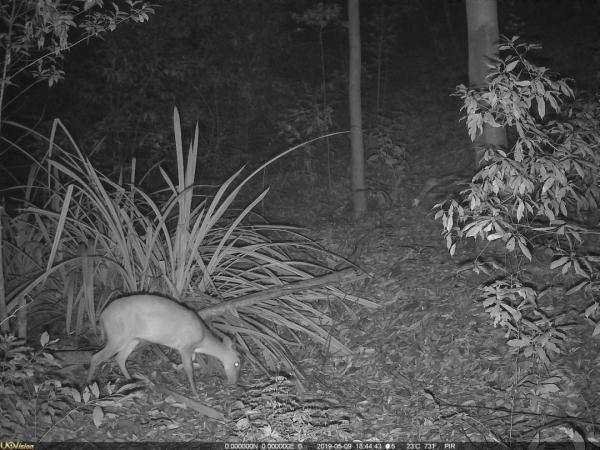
109,350
124,353
186,360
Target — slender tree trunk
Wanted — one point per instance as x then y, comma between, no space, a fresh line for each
4,324
359,195
482,25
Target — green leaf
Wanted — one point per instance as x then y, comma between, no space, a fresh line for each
579,286
552,347
520,211
510,66
542,356
97,416
75,394
590,310
518,343
44,338
559,262
524,249
541,106
510,245
547,184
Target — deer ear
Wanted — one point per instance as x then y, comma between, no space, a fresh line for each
227,341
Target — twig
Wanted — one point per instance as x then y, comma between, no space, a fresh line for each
195,405
346,275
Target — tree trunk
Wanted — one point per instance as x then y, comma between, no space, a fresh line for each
482,25
4,323
359,194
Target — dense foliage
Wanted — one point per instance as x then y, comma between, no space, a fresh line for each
541,193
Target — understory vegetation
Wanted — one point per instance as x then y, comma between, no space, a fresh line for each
378,329
539,196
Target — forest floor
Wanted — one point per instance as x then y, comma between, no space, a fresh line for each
428,365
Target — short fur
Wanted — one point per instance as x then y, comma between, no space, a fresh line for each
153,318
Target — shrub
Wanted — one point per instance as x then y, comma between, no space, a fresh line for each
542,189
27,395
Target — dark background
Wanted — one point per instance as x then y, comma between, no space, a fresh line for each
242,69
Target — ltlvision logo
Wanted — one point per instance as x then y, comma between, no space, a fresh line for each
12,445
